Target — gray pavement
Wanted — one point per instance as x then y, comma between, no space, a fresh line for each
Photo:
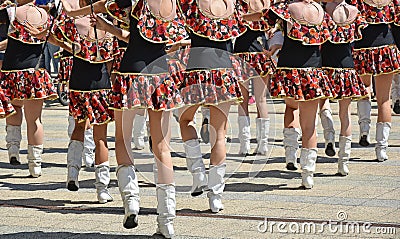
262,198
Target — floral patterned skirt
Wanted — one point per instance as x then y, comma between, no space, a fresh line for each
6,108
255,64
210,86
377,60
346,83
118,59
92,105
301,84
65,68
27,84
153,91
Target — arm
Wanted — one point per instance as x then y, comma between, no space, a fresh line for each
99,7
102,24
3,44
65,45
176,46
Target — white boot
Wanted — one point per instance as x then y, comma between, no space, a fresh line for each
35,160
244,134
129,189
139,127
71,125
13,140
195,165
262,142
102,173
364,120
329,131
166,208
344,155
88,148
216,185
382,136
308,158
258,125
74,163
291,145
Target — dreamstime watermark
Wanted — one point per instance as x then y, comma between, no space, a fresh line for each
339,226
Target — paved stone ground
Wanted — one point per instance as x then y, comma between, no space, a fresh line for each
262,198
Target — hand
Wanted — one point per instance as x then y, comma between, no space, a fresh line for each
36,32
99,22
272,50
173,48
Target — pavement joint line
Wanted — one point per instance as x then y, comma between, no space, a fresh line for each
207,215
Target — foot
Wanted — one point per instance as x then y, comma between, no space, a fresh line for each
198,191
215,202
104,196
72,186
364,141
291,166
330,150
14,161
130,221
396,107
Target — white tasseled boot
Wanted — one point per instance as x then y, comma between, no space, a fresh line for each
308,158
364,120
35,160
166,208
74,163
262,142
102,173
13,140
244,134
258,125
139,128
195,165
344,155
216,185
329,131
129,189
88,148
291,145
382,136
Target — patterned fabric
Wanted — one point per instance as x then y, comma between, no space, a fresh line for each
108,47
92,105
153,29
346,83
210,87
307,34
376,60
64,69
6,109
253,25
21,34
301,84
27,84
397,12
376,15
118,59
157,92
348,33
258,62
217,30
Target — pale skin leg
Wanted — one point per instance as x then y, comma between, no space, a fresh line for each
100,139
291,118
16,119
123,136
160,131
219,122
33,113
308,112
260,94
344,115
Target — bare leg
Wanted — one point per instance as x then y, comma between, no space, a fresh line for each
123,136
33,113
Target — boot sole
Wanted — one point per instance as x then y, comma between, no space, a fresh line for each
290,166
131,222
329,150
14,161
396,108
363,141
71,186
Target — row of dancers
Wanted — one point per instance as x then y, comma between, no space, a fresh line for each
326,51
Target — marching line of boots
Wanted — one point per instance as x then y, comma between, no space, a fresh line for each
135,62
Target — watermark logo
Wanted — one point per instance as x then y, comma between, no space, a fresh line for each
339,226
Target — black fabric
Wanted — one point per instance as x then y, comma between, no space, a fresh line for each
295,54
248,42
141,53
4,23
123,3
20,56
337,55
87,76
208,54
375,35
396,34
